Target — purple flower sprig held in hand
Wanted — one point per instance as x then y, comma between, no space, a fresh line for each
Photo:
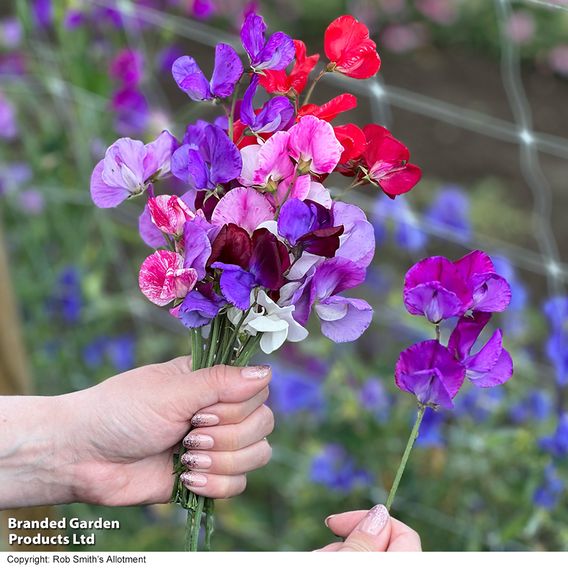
439,290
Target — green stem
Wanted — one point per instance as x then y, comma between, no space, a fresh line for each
313,86
406,455
195,524
232,111
438,332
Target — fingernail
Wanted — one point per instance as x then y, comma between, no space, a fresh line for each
376,520
193,479
201,441
196,461
205,420
258,372
327,520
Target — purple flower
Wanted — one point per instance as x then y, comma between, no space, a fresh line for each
199,307
334,468
430,372
431,435
129,167
491,365
68,299
357,242
74,19
127,67
293,391
342,319
8,124
121,351
450,212
226,73
275,53
10,32
374,398
479,404
557,444
276,114
548,494
537,405
213,160
203,9
436,288
167,57
43,12
132,111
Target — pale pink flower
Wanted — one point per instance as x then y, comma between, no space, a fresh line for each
558,59
443,12
163,278
520,27
400,38
169,213
314,146
243,206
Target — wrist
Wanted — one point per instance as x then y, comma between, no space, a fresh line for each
36,459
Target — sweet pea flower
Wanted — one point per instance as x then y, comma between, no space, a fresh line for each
132,111
548,494
127,67
275,53
357,242
386,162
557,443
163,278
330,110
243,206
350,49
491,365
354,142
169,214
430,372
199,307
129,167
314,146
226,74
281,83
274,322
276,114
342,319
436,289
211,160
8,123
450,211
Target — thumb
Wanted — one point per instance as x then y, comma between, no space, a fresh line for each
187,393
372,534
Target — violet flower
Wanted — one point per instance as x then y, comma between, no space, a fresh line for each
131,110
430,372
127,67
8,123
226,74
276,52
199,307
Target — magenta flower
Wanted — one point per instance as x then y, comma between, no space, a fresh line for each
169,214
127,67
430,372
491,365
226,73
163,278
8,123
129,167
436,289
276,114
212,160
243,206
131,110
275,53
314,146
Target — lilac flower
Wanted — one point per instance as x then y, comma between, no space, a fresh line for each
199,307
127,67
450,211
211,161
31,201
129,167
275,53
335,469
374,398
491,365
132,111
557,444
479,404
276,114
293,391
8,124
537,405
74,19
431,435
43,13
357,242
548,494
10,32
226,73
557,351
430,372
342,319
203,9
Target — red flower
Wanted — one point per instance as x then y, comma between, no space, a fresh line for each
386,161
282,84
353,140
349,48
328,111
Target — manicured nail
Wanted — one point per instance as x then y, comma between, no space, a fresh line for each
201,441
258,372
376,520
196,461
205,420
327,519
193,479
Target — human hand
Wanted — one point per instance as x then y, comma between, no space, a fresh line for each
371,531
113,444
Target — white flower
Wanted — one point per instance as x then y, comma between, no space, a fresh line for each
274,322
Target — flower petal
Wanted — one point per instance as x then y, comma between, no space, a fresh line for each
244,207
190,79
344,319
228,70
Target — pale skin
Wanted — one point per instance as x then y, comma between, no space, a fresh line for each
112,444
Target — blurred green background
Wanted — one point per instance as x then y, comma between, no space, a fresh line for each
477,90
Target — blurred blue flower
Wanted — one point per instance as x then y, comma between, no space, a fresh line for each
450,212
537,405
374,398
557,444
119,350
94,352
431,434
556,310
68,296
548,494
10,32
334,468
479,404
292,391
407,233
43,12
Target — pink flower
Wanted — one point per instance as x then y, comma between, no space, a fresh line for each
169,213
269,164
245,207
401,38
163,278
558,59
520,27
314,146
443,12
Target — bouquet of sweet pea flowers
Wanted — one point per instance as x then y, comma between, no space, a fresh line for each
255,243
